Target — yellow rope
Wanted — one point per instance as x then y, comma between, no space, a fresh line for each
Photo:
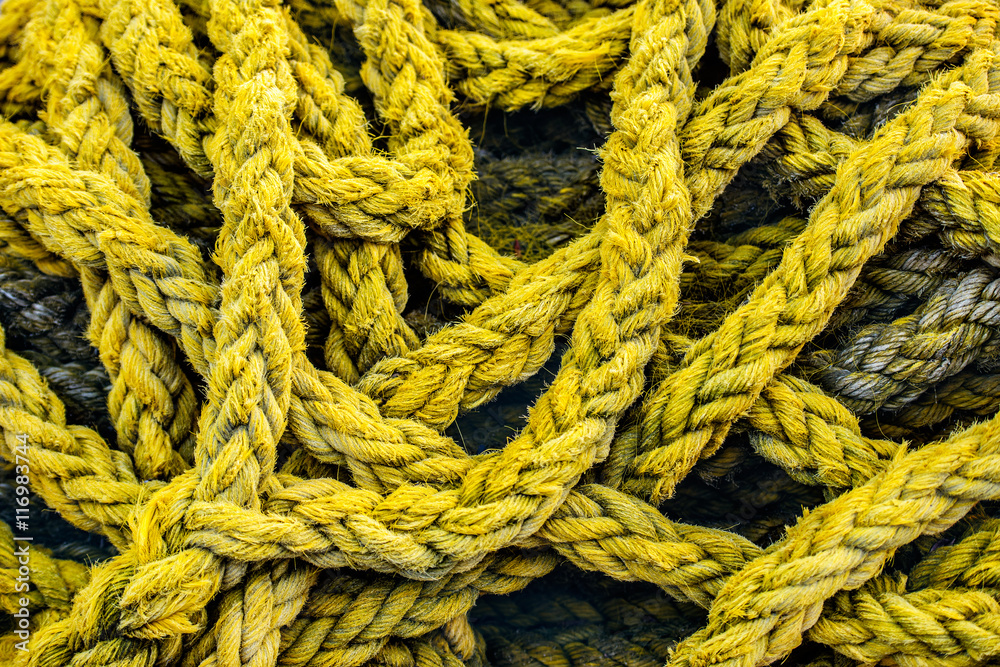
789,310
35,587
288,481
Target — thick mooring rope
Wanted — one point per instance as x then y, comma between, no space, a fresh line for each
268,270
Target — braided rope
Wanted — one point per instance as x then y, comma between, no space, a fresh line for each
961,398
152,401
46,594
703,178
765,637
882,366
960,208
667,445
884,621
321,442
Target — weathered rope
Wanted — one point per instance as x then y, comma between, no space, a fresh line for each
668,447
962,399
47,594
885,621
883,366
265,219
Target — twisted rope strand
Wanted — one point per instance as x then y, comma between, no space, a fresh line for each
790,305
295,471
366,323
885,621
692,562
886,366
90,485
932,487
599,410
48,595
85,102
967,395
260,252
960,207
971,562
152,402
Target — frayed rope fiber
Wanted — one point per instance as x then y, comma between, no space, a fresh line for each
524,333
